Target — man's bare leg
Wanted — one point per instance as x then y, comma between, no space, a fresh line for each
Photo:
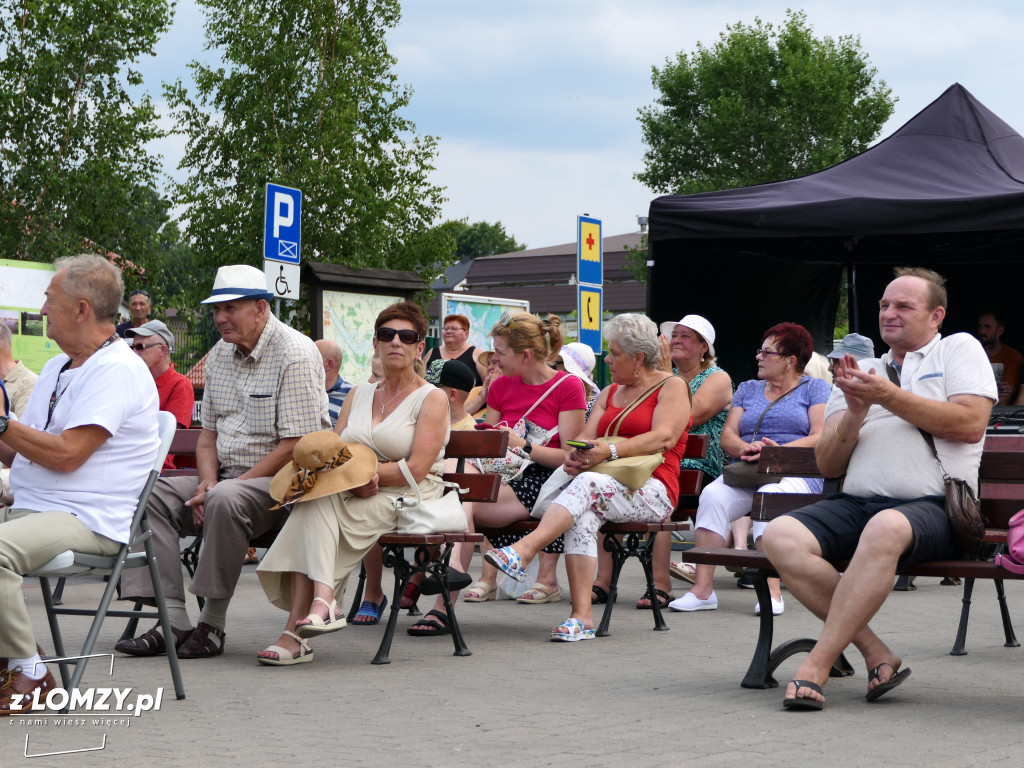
845,604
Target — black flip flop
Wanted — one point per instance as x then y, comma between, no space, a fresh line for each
806,704
436,627
896,679
600,595
664,598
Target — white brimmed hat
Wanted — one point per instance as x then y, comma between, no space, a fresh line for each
239,281
579,360
694,323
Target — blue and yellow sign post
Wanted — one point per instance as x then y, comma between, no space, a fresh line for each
590,277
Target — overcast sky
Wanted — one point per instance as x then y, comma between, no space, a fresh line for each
535,102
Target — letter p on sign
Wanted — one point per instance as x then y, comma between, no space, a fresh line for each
284,212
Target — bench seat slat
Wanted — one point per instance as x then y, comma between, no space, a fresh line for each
752,559
477,444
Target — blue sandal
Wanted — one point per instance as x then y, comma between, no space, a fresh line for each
507,561
371,609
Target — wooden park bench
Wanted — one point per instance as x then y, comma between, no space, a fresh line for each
432,551
626,540
1001,482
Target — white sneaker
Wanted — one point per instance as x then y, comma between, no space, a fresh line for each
778,606
690,602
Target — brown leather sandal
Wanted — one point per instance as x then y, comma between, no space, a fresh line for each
199,645
152,643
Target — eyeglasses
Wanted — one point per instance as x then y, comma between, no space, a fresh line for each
139,347
452,328
766,352
406,337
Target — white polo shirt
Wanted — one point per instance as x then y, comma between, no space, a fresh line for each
114,390
891,457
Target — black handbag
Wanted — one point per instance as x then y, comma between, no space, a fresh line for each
962,508
744,474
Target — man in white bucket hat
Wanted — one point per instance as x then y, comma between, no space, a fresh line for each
264,390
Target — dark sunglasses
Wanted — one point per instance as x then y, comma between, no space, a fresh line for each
138,347
406,337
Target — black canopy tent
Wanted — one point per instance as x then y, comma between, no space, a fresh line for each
945,191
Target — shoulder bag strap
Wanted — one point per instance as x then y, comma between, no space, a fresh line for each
894,377
546,393
617,421
773,402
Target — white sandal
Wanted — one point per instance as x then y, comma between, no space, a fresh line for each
318,626
683,571
480,592
286,658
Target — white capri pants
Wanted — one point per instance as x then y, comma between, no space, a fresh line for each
594,499
721,504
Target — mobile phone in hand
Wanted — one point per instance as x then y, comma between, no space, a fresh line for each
583,446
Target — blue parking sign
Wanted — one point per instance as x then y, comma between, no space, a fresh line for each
282,229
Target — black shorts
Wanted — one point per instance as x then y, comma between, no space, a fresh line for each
838,521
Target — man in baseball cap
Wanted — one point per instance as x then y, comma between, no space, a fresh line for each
455,378
153,342
852,344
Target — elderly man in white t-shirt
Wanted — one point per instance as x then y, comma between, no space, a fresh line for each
892,509
81,454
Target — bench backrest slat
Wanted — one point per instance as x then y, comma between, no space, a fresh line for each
795,462
696,447
185,441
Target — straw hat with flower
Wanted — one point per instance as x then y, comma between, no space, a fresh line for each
322,464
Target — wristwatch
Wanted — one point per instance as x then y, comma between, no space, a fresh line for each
527,449
4,421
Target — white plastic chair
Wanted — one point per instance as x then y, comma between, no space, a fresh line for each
70,564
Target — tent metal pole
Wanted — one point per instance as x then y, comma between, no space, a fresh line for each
851,297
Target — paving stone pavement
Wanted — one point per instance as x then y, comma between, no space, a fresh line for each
638,697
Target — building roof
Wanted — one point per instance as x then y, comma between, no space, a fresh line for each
547,277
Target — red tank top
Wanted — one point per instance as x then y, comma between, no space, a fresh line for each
637,423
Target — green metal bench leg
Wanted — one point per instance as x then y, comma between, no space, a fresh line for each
758,674
766,660
1004,614
357,596
965,613
645,554
614,546
394,558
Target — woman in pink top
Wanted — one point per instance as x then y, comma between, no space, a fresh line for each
523,346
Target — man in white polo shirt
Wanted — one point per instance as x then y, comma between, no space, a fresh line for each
892,509
81,454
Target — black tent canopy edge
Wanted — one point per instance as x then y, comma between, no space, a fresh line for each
943,191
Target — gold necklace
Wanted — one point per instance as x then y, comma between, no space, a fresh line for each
384,405
637,396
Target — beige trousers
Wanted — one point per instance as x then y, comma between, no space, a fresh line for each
236,510
29,540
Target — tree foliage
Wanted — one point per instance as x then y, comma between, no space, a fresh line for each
75,173
760,105
306,98
483,239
